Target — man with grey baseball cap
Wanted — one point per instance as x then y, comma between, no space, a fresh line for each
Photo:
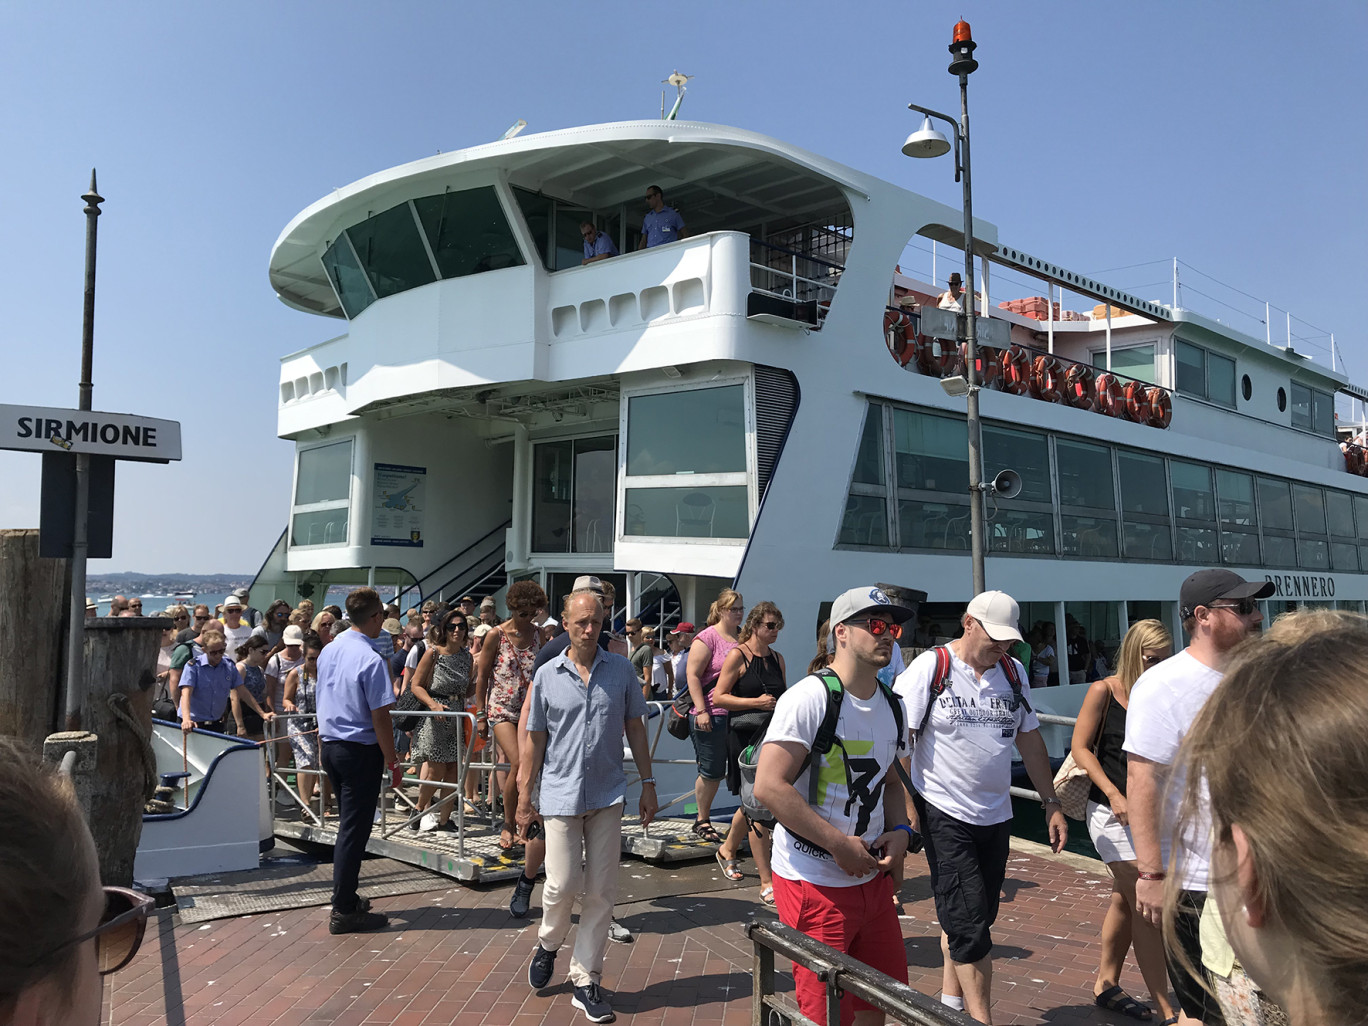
836,844
968,703
1219,609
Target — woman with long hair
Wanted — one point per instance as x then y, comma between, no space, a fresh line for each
301,696
706,656
273,622
1098,736
749,686
503,675
441,682
1276,770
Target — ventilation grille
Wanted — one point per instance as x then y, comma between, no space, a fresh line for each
776,403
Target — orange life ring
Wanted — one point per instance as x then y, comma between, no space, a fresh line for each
951,358
986,366
1016,371
1110,400
1078,387
893,335
928,356
1137,401
911,342
1045,379
1160,408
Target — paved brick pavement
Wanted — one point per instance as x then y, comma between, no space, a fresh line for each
454,955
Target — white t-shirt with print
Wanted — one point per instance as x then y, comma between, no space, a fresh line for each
235,637
1163,703
869,739
962,763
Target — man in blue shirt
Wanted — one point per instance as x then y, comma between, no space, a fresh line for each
206,683
597,246
581,704
662,224
354,696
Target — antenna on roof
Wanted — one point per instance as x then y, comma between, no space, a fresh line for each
679,82
515,128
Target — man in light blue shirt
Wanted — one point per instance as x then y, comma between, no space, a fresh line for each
661,224
597,245
581,704
357,741
206,684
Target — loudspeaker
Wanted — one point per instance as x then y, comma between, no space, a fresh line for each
1007,484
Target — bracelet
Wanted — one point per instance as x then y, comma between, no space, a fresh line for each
1151,876
905,828
482,715
647,780
1050,801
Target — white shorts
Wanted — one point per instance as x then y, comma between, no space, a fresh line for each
1109,837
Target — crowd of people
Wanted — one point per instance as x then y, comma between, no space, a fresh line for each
1228,792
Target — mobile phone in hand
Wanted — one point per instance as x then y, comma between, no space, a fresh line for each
533,831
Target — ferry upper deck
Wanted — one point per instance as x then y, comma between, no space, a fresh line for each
734,408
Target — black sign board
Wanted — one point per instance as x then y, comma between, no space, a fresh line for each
56,524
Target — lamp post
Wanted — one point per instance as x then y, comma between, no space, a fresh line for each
927,142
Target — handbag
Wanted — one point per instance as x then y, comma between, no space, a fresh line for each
1072,784
407,703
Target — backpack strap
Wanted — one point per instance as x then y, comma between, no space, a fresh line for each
939,683
1008,665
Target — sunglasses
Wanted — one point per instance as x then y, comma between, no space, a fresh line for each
1244,607
214,651
777,625
1151,660
201,619
879,627
181,619
120,932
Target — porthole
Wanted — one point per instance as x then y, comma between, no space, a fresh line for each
1282,400
1246,387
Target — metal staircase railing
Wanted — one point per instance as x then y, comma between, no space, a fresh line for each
475,560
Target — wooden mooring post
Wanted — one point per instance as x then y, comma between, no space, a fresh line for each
33,612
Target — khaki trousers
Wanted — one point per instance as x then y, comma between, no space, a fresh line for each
582,854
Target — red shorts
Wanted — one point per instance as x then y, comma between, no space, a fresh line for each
859,921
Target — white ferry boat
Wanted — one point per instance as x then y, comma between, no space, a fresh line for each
759,404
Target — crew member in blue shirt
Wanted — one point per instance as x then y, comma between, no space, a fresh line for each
581,704
354,696
661,224
206,683
597,245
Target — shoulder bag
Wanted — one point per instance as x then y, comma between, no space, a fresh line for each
1072,784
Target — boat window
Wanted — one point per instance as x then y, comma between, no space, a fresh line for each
933,525
930,453
1339,513
869,462
1025,452
468,232
1017,530
555,227
1323,413
573,494
1190,370
1310,508
348,280
1131,362
696,431
1239,525
1301,406
1313,554
391,251
1343,556
1275,504
1088,536
865,521
1145,509
1361,515
1220,379
322,499
539,212
1193,497
1085,475
689,512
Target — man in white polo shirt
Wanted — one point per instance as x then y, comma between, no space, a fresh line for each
1219,609
967,704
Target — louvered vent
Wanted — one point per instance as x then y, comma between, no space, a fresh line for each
776,403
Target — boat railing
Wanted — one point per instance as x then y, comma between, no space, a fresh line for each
1051,718
401,811
793,276
839,974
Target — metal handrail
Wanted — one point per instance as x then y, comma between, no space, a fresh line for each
840,974
422,583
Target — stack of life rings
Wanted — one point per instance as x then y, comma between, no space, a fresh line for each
1020,371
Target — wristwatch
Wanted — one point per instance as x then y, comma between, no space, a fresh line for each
647,780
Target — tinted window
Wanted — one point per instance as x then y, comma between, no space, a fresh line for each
1023,451
865,521
536,211
1323,413
697,431
1088,536
1220,379
717,512
1340,513
1310,509
1301,406
1275,505
1135,362
869,461
933,525
468,232
1015,530
1085,475
1191,368
1143,488
391,251
1236,493
348,280
1192,495
930,453
324,474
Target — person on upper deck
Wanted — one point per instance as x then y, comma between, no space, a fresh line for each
597,245
950,299
661,224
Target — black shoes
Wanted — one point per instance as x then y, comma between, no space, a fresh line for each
520,904
543,966
589,999
356,922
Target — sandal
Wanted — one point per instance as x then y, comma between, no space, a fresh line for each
731,868
767,895
704,829
1115,999
512,832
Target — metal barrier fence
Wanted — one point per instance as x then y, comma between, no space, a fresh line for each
840,974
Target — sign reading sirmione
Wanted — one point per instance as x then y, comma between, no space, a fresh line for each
124,436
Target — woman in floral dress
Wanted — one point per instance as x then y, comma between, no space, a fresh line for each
441,682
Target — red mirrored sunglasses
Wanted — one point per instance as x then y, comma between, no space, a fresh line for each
877,627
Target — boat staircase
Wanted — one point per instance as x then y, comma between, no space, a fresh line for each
477,570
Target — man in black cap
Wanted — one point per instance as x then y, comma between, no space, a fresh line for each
1219,609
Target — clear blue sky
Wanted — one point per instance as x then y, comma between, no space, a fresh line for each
1105,134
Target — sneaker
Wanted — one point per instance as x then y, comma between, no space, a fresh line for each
541,969
521,902
619,934
357,922
449,827
427,824
589,999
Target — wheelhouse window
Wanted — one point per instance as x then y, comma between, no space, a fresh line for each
1131,362
1201,373
686,467
322,499
1312,410
574,484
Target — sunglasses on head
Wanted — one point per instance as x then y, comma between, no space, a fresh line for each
878,627
120,932
1244,607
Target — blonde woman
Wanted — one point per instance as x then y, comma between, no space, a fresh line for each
1277,770
1101,728
707,722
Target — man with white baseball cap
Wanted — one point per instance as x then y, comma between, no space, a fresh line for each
967,703
836,843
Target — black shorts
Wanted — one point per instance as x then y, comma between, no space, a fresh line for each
968,864
1196,1001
